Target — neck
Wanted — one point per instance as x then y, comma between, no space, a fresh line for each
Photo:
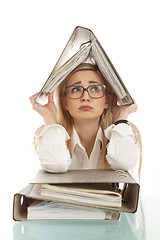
87,133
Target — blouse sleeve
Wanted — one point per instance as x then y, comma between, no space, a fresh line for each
54,155
122,151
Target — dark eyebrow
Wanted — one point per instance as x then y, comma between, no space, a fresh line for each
79,82
94,82
76,83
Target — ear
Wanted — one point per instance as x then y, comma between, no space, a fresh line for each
106,105
108,101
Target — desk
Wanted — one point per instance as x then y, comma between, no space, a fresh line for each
143,225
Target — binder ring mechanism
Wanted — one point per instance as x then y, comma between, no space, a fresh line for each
121,173
84,44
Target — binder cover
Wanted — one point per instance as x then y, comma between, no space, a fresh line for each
106,178
83,46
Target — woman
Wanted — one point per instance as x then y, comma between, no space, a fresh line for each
86,128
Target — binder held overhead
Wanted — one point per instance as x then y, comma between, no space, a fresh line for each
83,46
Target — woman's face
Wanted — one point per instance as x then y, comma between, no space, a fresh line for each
85,107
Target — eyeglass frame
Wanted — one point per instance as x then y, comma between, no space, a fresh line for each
86,89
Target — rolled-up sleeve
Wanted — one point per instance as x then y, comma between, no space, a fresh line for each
54,155
122,150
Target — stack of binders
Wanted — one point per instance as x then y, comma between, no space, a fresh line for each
99,195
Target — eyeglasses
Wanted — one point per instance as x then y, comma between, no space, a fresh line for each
94,91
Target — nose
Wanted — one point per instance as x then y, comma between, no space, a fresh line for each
85,96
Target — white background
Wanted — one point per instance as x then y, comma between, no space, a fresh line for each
33,34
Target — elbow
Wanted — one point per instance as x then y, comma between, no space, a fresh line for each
126,163
123,158
54,169
53,164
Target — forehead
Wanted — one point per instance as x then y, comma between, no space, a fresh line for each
85,76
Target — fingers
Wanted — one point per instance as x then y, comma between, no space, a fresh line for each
39,107
36,106
134,107
50,97
32,98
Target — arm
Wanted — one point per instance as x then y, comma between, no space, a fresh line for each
122,151
53,153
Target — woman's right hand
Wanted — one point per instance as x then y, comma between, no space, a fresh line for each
48,111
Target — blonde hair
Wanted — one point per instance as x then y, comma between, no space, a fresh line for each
65,119
106,119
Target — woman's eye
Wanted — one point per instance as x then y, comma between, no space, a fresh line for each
76,89
95,89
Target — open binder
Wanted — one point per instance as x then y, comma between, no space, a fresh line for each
83,46
104,178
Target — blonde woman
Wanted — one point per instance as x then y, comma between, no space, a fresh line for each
86,128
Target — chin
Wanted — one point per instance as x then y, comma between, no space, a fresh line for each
86,117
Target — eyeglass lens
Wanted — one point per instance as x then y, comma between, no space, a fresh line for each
96,91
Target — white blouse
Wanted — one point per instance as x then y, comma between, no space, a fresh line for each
54,156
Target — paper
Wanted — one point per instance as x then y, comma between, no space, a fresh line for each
57,210
87,196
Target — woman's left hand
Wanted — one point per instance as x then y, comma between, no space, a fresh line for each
122,112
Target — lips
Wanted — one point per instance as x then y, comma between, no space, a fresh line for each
85,108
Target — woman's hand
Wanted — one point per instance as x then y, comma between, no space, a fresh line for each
122,112
48,111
